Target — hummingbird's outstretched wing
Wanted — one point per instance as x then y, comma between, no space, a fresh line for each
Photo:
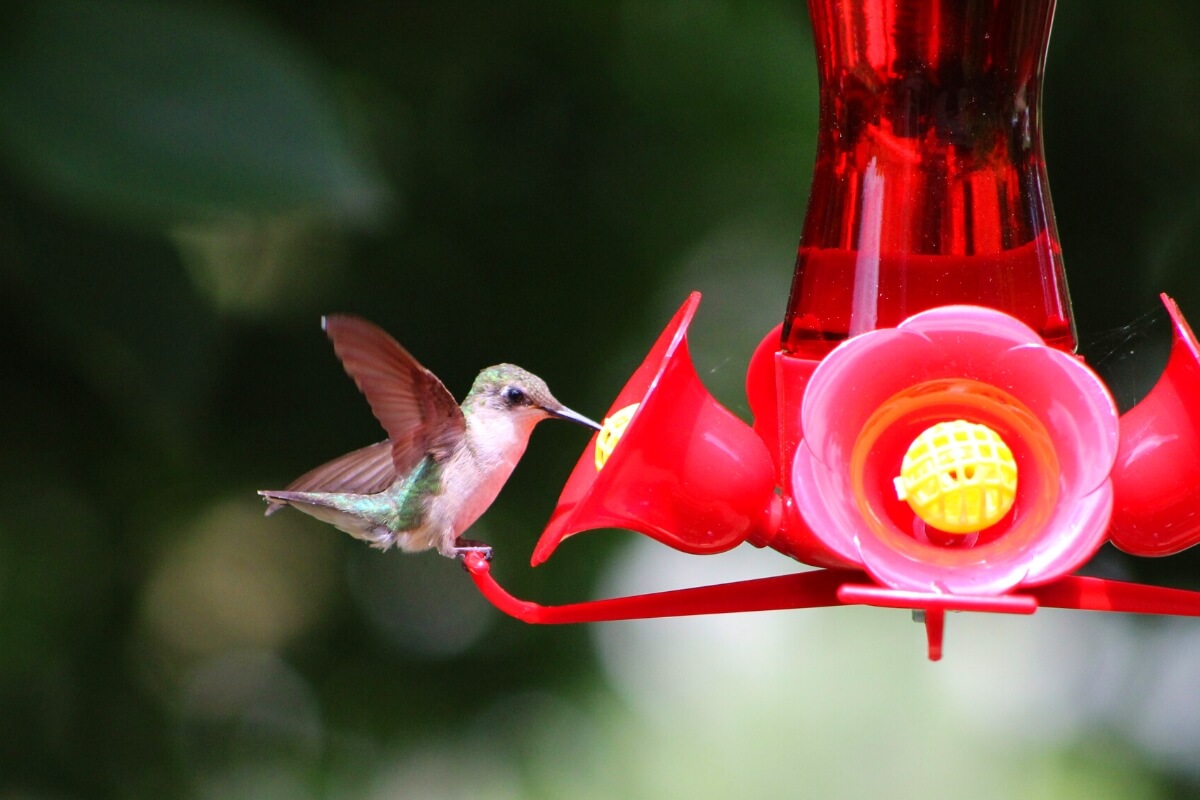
414,407
365,471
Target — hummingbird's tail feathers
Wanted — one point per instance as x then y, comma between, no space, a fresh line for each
280,498
362,516
272,505
274,501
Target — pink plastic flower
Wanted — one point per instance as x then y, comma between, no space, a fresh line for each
871,395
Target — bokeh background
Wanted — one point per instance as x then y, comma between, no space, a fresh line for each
186,187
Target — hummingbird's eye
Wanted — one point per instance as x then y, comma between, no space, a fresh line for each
514,396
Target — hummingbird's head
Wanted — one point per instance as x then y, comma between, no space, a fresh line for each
507,390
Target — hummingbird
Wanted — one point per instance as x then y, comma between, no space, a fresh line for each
442,464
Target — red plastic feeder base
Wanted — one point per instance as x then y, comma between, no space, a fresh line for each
822,588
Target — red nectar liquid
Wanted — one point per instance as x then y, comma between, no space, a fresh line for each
930,185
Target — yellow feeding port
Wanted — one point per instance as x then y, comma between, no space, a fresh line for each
610,433
959,477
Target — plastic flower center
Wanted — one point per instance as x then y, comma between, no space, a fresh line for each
610,433
959,477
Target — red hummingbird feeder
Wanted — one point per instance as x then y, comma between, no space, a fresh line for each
923,434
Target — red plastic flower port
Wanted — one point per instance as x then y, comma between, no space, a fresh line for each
687,472
876,393
1156,480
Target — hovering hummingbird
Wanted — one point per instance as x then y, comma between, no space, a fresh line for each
442,464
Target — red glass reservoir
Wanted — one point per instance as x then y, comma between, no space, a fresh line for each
930,185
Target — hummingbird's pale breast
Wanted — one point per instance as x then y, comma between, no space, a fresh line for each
494,443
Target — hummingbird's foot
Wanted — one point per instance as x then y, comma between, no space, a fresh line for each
463,547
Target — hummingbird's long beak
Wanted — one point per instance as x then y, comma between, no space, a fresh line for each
562,412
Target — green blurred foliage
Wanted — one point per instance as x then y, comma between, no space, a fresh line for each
165,113
185,188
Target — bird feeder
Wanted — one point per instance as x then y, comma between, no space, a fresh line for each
923,435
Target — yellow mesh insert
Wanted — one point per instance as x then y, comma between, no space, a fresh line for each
611,432
959,477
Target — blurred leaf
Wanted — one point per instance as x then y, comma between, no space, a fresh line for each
254,266
152,113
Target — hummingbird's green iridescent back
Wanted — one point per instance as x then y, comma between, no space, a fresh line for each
411,497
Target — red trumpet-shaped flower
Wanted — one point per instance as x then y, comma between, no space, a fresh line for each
874,396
